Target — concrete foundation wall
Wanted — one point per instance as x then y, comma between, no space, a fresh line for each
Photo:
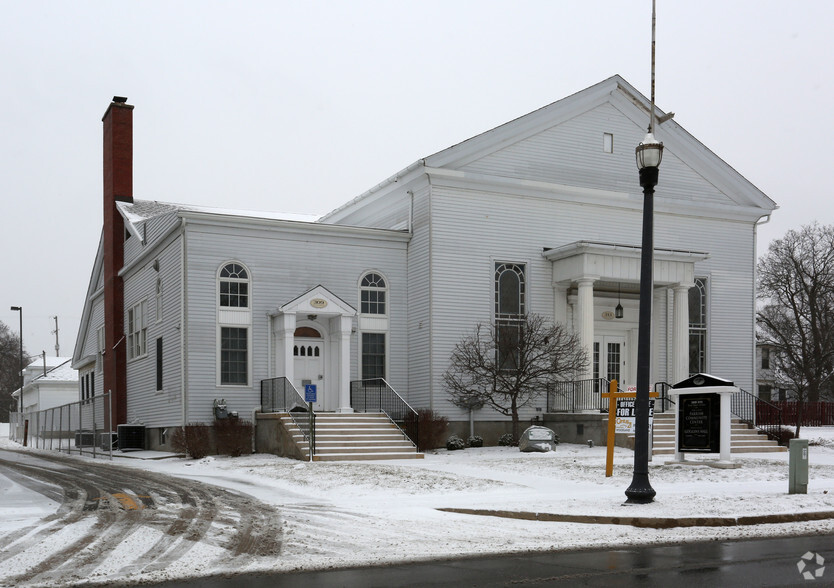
272,437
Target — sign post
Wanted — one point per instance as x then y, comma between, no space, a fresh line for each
310,398
620,418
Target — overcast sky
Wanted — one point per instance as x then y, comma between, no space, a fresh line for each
300,106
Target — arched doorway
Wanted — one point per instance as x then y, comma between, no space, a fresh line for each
308,363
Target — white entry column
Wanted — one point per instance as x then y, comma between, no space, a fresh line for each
341,338
284,339
585,319
680,333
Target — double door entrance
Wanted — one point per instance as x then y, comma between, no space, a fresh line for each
610,359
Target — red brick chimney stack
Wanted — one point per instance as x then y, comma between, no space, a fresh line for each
118,187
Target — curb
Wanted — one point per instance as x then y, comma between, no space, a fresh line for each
650,522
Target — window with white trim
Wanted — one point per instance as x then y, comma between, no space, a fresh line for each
698,327
234,286
373,355
234,361
510,304
234,324
373,294
137,330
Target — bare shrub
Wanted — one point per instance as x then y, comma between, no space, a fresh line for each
234,436
431,430
194,440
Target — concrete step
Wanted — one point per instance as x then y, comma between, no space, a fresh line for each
351,436
367,456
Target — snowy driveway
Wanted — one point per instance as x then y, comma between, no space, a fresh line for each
113,522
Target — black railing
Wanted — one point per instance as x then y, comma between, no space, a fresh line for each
279,395
663,403
376,395
578,396
761,414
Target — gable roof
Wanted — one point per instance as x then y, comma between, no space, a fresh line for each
531,153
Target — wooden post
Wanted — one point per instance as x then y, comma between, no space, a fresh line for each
613,395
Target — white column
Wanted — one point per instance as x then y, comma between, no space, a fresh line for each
585,322
284,339
680,334
726,426
343,371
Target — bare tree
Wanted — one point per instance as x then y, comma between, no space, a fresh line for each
9,369
509,366
796,286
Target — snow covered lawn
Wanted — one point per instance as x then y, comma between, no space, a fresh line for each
361,513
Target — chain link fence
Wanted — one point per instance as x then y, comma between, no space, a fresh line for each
77,427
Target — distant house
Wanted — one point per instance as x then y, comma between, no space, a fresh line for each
770,384
188,305
48,382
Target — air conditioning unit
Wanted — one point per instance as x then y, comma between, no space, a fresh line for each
85,439
131,437
107,441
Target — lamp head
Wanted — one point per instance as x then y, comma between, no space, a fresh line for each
649,152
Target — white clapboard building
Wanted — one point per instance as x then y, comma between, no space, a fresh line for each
188,305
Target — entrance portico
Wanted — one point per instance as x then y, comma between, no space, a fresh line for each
313,331
589,279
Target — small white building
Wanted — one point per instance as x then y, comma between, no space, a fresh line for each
48,382
543,214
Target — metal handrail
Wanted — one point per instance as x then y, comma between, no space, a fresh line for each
377,395
665,402
577,395
749,407
279,395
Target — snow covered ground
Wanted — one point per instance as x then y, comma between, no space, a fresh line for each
365,513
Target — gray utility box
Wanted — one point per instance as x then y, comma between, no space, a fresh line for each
798,466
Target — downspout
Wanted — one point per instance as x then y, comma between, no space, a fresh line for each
183,323
756,226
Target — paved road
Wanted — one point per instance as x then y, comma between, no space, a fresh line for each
755,563
115,521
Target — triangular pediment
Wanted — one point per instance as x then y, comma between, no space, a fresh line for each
318,300
586,141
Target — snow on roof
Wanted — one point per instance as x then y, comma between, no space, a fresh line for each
141,210
51,362
63,372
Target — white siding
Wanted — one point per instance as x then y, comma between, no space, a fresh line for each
146,405
471,230
571,154
283,265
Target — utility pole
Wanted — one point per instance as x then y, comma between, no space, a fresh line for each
55,332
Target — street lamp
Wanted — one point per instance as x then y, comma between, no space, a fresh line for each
20,397
648,153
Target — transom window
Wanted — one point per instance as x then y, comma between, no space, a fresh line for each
234,286
372,297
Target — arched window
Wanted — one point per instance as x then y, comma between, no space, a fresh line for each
234,286
510,306
509,290
698,327
372,294
373,324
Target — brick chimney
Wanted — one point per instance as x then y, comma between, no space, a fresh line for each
118,187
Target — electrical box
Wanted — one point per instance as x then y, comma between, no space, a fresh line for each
798,466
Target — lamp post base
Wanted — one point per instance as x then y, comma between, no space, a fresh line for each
640,491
